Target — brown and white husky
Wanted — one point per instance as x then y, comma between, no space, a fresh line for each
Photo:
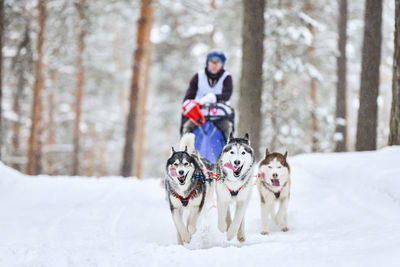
273,183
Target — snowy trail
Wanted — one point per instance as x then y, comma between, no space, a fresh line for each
344,211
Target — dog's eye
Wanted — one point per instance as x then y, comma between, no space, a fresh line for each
279,167
243,153
270,167
232,152
176,164
186,164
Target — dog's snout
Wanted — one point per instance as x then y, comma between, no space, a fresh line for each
181,172
275,175
237,162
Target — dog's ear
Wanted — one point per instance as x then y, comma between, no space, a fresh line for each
285,155
172,151
266,152
230,137
246,138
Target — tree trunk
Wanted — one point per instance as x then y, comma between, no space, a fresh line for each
394,137
80,7
341,103
145,12
369,88
34,150
51,125
251,74
142,113
1,72
308,8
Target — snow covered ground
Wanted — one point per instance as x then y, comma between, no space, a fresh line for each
344,211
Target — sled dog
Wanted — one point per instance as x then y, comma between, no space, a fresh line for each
235,167
186,187
273,184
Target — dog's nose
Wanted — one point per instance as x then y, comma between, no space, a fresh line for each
237,162
275,175
181,172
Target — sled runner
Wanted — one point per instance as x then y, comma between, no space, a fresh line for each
213,124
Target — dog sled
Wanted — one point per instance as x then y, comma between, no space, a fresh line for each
212,125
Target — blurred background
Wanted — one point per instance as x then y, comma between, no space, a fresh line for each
78,58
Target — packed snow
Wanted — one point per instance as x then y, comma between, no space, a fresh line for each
344,211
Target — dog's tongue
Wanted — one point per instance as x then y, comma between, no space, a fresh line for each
172,171
230,166
275,182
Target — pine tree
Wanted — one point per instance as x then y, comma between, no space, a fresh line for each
369,88
341,104
34,150
251,74
394,137
128,154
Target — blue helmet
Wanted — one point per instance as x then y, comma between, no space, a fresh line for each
216,54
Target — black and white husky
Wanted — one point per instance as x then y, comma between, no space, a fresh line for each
235,167
273,184
186,186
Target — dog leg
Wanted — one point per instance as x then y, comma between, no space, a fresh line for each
228,217
180,242
281,218
237,220
192,220
241,236
180,226
264,216
223,208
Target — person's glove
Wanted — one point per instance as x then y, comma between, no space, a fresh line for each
208,98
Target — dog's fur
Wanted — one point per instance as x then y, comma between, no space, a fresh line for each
235,167
273,184
187,190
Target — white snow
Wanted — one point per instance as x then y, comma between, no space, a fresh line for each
344,211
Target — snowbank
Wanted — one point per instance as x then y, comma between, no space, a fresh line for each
344,211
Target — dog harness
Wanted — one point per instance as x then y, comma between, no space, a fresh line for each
234,193
277,194
183,200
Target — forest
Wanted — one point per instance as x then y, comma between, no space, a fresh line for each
95,88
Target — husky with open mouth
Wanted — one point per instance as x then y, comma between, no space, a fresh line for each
273,183
186,186
235,167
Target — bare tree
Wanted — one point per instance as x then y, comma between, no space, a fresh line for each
341,103
34,145
128,154
251,73
1,71
394,137
369,89
143,95
308,8
80,7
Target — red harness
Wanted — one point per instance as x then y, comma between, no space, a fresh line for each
183,200
234,193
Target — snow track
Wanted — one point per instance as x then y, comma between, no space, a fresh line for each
344,211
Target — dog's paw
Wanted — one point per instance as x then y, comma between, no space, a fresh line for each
230,234
285,229
264,232
186,237
241,238
222,227
191,229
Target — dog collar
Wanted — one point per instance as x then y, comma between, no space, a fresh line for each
183,200
277,194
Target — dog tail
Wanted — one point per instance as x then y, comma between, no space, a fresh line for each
187,140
